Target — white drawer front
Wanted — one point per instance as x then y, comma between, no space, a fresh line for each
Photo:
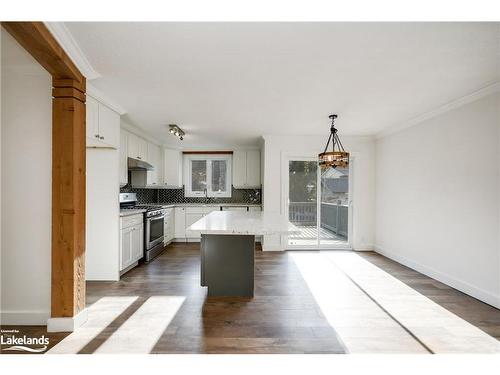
129,221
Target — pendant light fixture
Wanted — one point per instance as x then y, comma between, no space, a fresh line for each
338,157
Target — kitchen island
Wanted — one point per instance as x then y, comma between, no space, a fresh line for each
228,248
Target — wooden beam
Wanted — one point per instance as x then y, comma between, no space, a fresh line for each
68,92
68,166
39,42
68,201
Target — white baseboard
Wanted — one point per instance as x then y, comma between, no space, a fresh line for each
462,286
271,247
24,318
68,324
364,247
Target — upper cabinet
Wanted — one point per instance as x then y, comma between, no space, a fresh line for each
123,157
153,178
137,147
172,171
92,121
253,168
103,125
246,169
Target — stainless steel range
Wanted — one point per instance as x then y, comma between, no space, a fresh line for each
153,224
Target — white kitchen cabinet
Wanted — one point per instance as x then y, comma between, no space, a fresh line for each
131,240
193,214
137,147
92,121
137,242
154,158
131,245
169,226
109,126
103,125
253,169
254,209
123,158
246,169
172,168
180,222
126,247
186,216
239,169
151,179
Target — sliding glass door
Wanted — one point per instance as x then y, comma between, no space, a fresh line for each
334,208
317,202
302,201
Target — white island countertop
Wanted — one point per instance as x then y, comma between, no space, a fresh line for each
244,223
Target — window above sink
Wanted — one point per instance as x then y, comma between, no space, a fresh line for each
207,175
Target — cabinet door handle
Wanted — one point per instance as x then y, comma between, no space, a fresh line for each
101,137
97,135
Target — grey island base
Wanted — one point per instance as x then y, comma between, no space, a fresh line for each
227,264
228,249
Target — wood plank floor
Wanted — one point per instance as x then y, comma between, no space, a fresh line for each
281,318
478,313
305,302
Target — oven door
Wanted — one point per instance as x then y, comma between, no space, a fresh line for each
154,230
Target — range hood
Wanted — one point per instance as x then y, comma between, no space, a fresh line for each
139,165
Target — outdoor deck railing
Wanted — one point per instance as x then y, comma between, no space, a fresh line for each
333,216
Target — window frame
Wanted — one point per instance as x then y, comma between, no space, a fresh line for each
188,193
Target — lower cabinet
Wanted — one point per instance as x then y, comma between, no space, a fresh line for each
180,222
168,229
186,216
193,214
131,240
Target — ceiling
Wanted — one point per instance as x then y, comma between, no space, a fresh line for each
230,83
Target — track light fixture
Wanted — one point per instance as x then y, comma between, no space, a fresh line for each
175,130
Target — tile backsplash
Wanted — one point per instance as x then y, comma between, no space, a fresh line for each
246,196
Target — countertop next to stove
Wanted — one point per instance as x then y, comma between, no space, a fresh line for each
169,205
129,212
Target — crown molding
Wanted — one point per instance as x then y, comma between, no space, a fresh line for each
139,132
71,47
476,95
99,96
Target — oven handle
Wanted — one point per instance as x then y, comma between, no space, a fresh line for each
156,217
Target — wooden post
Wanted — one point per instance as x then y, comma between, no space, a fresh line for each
68,199
68,172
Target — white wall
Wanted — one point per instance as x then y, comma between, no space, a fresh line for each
437,198
363,151
102,215
26,128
